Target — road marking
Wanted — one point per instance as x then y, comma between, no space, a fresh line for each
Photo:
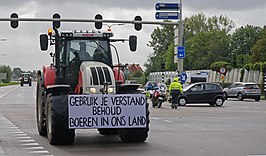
30,140
38,152
1,96
155,118
30,144
34,148
24,137
167,121
19,135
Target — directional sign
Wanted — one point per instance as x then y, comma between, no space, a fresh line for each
183,77
180,52
167,15
167,6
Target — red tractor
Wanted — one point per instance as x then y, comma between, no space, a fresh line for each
83,72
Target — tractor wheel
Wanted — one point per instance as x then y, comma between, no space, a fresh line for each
57,121
40,110
132,135
108,131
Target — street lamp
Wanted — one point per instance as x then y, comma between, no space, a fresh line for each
109,26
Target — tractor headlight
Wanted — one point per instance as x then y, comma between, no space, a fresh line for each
92,90
111,90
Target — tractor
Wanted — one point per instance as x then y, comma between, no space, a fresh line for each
25,79
83,71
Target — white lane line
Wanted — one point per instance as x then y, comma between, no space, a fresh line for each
19,135
34,148
26,140
167,121
155,118
30,144
23,137
1,96
38,152
17,132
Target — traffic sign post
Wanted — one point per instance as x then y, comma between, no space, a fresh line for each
173,15
167,6
183,77
167,15
181,52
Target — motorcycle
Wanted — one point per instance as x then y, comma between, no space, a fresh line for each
158,97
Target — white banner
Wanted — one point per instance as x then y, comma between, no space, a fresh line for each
107,111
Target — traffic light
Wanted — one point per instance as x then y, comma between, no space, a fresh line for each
163,66
14,24
56,24
98,25
138,26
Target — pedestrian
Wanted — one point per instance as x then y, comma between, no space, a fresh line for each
175,89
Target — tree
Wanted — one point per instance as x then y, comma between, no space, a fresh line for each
206,48
241,42
200,23
169,63
161,39
258,51
6,69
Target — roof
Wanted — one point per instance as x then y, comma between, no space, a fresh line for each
134,67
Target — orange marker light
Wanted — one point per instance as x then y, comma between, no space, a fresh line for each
50,31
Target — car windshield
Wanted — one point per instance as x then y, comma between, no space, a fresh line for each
188,87
89,50
251,86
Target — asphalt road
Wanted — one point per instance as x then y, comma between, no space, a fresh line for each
236,129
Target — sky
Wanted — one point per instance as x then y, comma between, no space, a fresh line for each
21,47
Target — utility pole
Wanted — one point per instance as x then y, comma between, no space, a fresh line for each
179,40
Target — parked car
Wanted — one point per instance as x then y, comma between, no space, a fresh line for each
242,90
202,92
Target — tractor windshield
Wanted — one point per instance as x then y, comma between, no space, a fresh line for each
89,50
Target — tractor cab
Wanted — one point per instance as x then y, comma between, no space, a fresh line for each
84,59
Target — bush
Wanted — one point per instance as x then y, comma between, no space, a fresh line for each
217,65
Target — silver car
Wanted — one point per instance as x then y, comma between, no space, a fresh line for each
242,90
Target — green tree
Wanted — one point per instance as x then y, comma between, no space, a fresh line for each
206,48
169,63
6,69
161,38
241,42
258,51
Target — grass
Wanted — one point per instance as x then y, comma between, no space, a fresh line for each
8,84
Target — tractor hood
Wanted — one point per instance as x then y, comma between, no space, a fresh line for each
97,78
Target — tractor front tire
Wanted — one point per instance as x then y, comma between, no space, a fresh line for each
57,121
133,135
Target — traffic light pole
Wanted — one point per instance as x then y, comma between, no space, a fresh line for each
179,41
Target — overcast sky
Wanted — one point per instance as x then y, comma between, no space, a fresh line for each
22,46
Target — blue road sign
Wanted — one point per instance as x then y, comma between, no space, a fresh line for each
167,15
183,77
167,6
181,52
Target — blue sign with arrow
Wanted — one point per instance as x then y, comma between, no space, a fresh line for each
167,6
181,52
167,15
183,77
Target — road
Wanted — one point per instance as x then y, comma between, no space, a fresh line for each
236,129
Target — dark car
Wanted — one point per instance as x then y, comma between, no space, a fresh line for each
242,90
202,92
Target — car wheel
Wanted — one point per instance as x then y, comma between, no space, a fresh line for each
182,101
257,99
225,96
219,101
240,96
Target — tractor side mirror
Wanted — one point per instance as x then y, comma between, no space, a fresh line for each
44,42
133,43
